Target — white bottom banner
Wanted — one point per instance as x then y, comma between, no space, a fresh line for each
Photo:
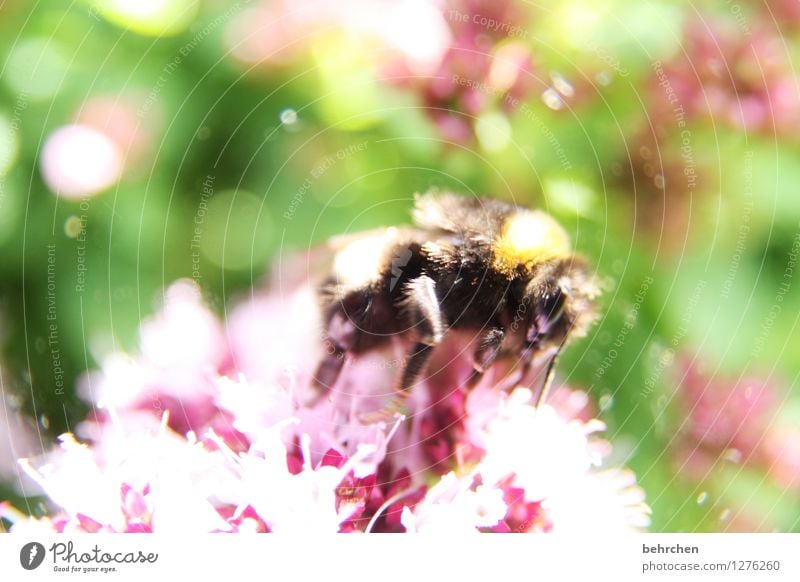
387,557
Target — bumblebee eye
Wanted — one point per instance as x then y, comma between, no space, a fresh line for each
553,306
549,310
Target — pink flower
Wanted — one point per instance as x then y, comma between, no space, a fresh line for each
736,421
19,440
486,67
279,33
116,118
725,414
734,427
78,160
216,428
782,451
456,505
746,81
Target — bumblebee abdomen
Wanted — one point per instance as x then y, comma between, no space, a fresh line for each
367,280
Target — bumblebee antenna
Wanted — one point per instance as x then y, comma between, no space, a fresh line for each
549,374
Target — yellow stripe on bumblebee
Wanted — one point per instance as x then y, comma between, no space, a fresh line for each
529,238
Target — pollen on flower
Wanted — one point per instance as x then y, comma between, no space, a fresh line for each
244,451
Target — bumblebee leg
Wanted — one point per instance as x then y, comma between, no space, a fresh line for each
422,312
524,367
486,353
338,340
415,364
330,366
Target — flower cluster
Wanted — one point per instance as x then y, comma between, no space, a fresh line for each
281,32
487,66
737,420
723,76
215,428
467,61
745,81
19,438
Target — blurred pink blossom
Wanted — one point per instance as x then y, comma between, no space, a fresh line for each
216,428
736,420
724,413
277,33
104,141
746,81
782,450
19,440
488,65
116,117
78,160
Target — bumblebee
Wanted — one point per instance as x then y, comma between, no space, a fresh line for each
501,272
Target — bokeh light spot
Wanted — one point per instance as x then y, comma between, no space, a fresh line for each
567,196
35,68
73,226
288,116
493,131
80,161
149,17
552,99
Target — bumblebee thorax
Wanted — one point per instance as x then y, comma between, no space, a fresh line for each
526,239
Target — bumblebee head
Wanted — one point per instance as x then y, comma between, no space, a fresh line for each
561,298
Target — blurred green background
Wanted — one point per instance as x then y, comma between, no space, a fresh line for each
145,142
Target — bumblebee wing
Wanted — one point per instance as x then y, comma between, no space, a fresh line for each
476,218
292,268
